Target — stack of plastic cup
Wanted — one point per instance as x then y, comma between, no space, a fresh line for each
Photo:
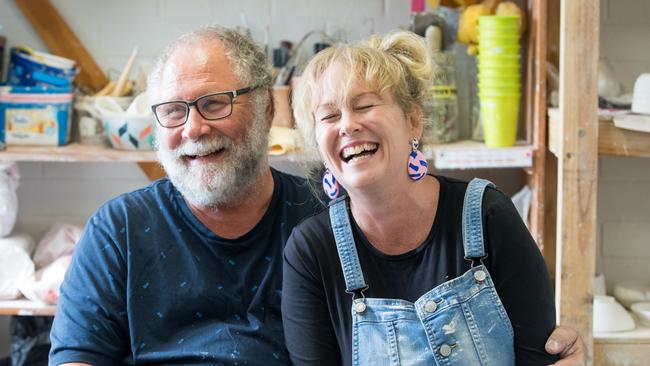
499,78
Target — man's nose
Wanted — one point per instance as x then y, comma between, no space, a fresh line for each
196,125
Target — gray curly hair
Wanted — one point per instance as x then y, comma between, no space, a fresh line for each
250,63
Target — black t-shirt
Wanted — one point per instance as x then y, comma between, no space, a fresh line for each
317,311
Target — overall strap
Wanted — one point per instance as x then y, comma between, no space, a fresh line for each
473,219
345,246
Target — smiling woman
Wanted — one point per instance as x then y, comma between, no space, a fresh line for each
409,268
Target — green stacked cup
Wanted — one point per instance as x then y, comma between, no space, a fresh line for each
499,76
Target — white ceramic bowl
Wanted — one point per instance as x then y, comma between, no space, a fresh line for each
130,132
630,292
642,312
610,316
641,98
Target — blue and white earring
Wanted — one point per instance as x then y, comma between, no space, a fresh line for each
417,164
330,185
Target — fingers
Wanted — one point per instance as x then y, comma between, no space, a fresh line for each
560,340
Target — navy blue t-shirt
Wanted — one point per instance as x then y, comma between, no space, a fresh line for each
150,284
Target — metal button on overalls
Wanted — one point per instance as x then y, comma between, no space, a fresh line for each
359,307
479,276
430,306
445,350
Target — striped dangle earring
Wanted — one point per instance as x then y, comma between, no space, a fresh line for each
330,185
417,164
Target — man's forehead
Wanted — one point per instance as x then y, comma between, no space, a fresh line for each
200,57
198,63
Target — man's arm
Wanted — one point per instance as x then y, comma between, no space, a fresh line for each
91,323
566,342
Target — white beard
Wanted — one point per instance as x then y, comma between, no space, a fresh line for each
225,182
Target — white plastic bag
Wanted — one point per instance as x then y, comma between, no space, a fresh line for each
45,285
9,177
16,267
57,242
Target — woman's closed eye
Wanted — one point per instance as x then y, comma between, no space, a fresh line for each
329,117
364,107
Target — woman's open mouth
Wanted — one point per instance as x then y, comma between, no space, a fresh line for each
358,152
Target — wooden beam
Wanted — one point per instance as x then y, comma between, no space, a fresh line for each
536,106
577,165
62,41
153,171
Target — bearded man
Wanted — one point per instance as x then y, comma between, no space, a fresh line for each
188,270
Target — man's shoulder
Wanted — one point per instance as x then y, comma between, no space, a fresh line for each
297,191
150,198
298,184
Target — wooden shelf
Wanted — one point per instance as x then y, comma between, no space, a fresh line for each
469,154
74,152
458,155
622,348
612,141
26,307
638,335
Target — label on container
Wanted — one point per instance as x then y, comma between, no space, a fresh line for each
31,126
443,91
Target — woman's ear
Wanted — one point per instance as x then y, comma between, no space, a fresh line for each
416,120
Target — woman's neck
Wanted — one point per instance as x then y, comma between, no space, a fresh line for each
397,221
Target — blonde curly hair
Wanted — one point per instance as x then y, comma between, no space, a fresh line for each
398,63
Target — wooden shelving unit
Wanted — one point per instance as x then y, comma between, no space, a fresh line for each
620,348
612,141
24,307
577,137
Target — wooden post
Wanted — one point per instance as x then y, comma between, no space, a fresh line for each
577,165
536,106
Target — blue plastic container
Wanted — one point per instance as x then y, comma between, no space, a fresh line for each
35,116
31,68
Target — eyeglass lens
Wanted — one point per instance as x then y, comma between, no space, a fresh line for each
210,107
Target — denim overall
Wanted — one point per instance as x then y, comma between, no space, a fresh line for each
459,322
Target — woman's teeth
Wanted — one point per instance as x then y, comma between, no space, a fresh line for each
358,151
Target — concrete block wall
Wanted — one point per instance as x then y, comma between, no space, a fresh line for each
623,220
625,38
624,183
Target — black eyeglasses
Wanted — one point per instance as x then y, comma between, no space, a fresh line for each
210,106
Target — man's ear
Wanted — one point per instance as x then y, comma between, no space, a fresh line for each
270,109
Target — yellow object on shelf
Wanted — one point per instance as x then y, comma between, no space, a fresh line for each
500,115
282,140
510,8
468,23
